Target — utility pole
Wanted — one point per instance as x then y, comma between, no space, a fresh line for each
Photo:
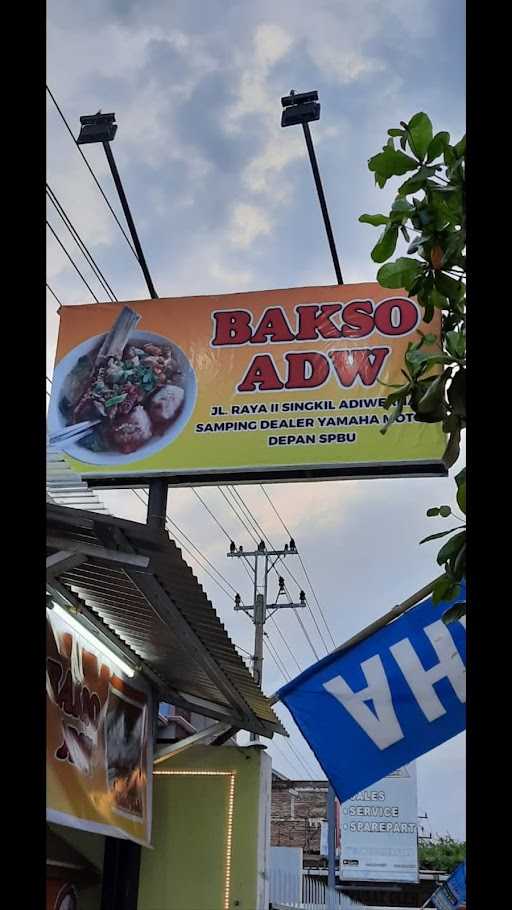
303,108
264,563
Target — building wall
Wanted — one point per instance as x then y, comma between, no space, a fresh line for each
186,869
298,807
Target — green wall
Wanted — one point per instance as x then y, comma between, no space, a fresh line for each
186,870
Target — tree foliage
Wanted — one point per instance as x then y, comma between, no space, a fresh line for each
429,212
442,855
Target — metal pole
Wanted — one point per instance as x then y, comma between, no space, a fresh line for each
157,504
323,204
128,216
331,848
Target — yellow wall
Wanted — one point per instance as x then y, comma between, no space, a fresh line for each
189,867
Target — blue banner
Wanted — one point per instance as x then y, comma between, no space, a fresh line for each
452,894
388,699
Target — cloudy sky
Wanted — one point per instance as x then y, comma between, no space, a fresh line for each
223,199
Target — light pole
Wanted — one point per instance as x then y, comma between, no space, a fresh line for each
303,108
102,128
121,863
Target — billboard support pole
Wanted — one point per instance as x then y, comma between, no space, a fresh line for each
331,847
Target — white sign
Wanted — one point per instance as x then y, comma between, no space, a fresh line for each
379,830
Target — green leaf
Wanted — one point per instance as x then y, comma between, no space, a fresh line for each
433,396
399,274
420,134
449,286
385,246
402,206
449,155
432,512
439,300
375,220
437,146
417,181
452,451
456,344
396,132
436,536
451,548
461,497
390,163
460,478
454,613
397,410
444,589
460,147
457,393
444,511
430,357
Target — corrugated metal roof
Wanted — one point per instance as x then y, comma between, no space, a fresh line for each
67,488
133,580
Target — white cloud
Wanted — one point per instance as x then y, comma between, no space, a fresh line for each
247,223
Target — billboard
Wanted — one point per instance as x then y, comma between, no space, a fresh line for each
98,740
268,385
379,830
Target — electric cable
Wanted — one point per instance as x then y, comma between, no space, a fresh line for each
73,263
59,208
70,131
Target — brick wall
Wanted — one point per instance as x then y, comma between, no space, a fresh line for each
298,807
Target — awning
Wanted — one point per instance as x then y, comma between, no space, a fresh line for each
131,582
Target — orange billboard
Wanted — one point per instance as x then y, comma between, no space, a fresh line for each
271,385
99,740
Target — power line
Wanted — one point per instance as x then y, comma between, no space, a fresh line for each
246,510
285,757
53,294
191,554
79,242
70,131
203,557
277,660
241,520
285,567
262,488
278,630
237,498
73,263
217,522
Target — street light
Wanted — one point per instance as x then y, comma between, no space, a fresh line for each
102,128
302,108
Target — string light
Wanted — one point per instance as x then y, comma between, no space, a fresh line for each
229,825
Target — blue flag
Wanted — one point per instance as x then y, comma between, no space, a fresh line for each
453,893
383,702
